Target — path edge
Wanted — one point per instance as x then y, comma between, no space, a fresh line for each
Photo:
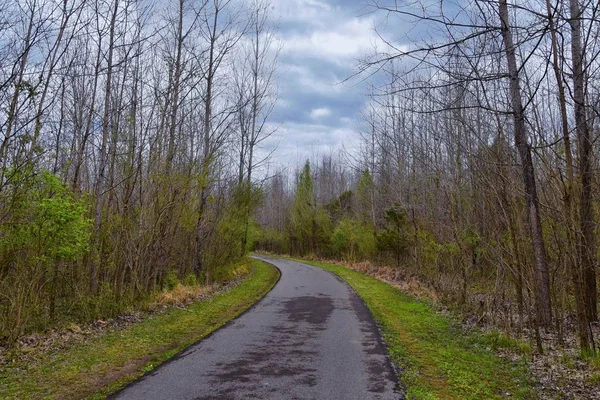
114,394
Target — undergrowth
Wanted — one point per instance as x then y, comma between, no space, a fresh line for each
105,363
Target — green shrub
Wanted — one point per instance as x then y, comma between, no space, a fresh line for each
171,280
394,239
353,240
190,280
45,232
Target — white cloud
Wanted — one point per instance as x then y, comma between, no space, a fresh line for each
298,142
318,113
340,41
346,121
323,83
321,40
307,11
325,31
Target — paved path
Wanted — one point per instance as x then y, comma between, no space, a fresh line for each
311,337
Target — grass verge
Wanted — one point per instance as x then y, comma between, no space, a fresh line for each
438,360
107,363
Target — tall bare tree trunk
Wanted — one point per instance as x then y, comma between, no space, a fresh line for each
586,250
176,83
54,57
12,108
253,133
572,260
542,280
206,151
81,148
100,186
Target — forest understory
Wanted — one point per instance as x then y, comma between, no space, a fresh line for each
29,348
94,359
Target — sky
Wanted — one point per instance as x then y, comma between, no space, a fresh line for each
322,41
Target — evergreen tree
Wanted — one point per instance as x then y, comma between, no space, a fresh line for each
366,193
309,223
303,212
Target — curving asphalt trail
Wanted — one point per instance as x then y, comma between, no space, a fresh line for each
311,337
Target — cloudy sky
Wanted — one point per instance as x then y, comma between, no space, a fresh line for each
322,42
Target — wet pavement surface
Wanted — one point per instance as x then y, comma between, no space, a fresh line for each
311,337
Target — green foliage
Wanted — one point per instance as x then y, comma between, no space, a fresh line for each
309,225
103,303
271,240
45,228
500,340
394,237
303,210
340,240
190,280
227,273
365,192
429,249
340,207
47,222
233,226
353,240
471,238
171,280
594,379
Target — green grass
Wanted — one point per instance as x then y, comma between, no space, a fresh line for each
438,360
107,363
498,340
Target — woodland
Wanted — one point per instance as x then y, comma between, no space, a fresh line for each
131,157
120,122
477,173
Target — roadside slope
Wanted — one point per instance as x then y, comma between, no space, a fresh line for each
106,363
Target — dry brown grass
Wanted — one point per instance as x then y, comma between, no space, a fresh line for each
183,295
241,270
398,277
